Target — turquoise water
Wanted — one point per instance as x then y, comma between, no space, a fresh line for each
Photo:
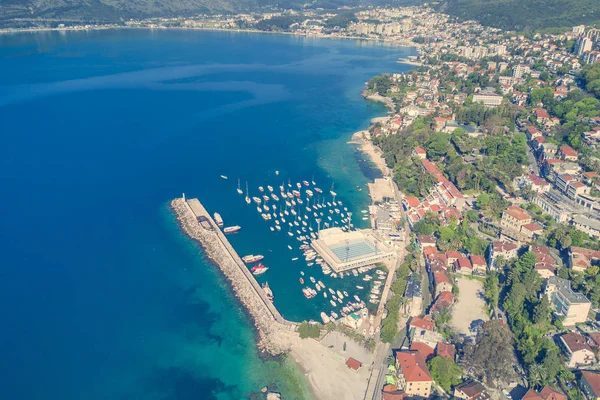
101,295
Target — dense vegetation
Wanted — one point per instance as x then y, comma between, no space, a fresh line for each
389,326
454,236
445,372
307,330
525,15
530,317
590,78
491,359
497,159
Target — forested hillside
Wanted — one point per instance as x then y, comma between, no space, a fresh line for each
525,14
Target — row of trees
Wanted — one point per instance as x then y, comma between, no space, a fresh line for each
389,326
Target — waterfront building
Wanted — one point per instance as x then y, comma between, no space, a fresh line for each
348,250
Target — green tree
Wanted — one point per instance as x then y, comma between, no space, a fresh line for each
491,288
445,372
307,330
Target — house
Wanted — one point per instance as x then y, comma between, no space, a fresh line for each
353,364
547,393
419,152
590,384
463,266
444,300
441,282
513,218
567,153
581,258
391,392
425,322
479,264
572,306
426,241
445,350
451,257
545,264
576,350
506,250
471,390
426,351
413,376
531,231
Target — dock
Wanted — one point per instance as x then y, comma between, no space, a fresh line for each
197,223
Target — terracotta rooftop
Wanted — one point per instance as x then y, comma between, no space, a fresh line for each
413,366
517,212
593,379
353,364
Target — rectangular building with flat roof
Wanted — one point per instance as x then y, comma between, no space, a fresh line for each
349,250
573,306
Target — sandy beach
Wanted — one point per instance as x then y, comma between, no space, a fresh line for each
389,103
327,373
363,139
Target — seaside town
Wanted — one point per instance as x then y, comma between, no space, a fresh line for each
485,224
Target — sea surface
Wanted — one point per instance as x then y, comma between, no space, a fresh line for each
101,295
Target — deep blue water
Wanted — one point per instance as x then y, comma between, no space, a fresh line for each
101,296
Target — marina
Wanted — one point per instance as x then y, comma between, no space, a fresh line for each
319,233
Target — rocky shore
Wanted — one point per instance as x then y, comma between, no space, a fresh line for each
274,337
389,103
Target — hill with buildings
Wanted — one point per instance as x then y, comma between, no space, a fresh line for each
525,15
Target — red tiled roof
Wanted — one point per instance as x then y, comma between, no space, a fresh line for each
425,322
501,247
413,366
445,350
478,260
568,151
423,349
420,150
440,277
463,262
533,227
391,392
593,379
353,364
517,212
445,299
412,201
548,393
532,395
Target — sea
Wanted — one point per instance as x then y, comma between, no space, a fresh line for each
101,295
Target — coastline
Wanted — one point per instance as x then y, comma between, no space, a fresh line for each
394,43
325,371
389,103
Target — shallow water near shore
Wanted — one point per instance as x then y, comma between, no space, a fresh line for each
102,295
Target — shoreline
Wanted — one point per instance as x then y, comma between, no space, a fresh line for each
324,370
394,43
389,103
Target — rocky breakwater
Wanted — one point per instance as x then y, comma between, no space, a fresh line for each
275,335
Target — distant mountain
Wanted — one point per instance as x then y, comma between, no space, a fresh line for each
525,14
17,13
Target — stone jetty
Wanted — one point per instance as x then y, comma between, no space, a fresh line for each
275,333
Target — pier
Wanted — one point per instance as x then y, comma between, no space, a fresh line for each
197,223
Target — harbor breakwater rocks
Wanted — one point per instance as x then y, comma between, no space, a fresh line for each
274,333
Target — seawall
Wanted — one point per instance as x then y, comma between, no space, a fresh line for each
273,330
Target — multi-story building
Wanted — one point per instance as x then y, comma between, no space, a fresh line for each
590,384
573,306
488,99
576,350
583,45
587,225
505,250
413,376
